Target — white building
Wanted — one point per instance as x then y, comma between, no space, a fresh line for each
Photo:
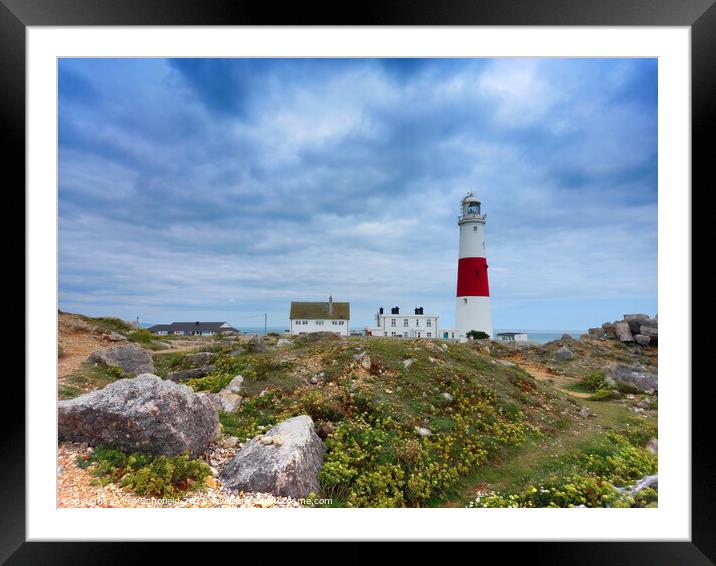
396,325
306,317
512,336
472,307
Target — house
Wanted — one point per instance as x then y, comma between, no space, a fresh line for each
308,317
512,336
192,328
396,325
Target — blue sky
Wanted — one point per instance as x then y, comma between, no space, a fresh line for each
220,189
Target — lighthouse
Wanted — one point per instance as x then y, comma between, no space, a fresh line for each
472,309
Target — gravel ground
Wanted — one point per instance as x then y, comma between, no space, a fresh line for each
76,487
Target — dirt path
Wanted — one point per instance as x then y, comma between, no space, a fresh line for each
78,340
561,382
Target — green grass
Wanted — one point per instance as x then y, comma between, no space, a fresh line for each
88,377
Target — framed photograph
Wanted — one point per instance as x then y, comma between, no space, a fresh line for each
259,302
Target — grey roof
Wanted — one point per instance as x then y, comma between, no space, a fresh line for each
509,333
191,327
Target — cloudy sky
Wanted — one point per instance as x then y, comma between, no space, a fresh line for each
220,189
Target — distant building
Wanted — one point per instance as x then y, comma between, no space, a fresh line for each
512,336
396,325
307,317
192,328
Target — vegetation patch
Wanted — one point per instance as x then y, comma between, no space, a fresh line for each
88,377
145,474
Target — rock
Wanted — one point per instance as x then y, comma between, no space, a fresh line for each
626,378
115,337
563,354
321,336
407,363
131,359
290,469
623,332
635,321
447,397
652,332
644,404
256,345
184,374
200,358
313,379
237,352
648,481
229,333
642,339
236,384
146,414
653,446
584,412
566,337
224,400
596,333
422,431
609,330
281,342
230,441
266,440
365,362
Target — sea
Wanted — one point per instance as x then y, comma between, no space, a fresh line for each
538,336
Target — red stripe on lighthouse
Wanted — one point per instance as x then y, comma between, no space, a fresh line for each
472,277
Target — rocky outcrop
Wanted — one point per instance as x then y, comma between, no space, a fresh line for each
563,354
639,328
623,332
286,461
629,378
281,342
184,374
131,359
146,414
200,358
256,345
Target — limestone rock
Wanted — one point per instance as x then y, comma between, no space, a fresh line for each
623,332
146,414
256,345
131,359
563,354
642,339
289,469
631,378
281,342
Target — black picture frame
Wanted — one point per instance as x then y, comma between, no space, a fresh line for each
699,15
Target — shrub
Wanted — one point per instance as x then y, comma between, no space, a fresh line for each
594,381
477,335
145,474
605,394
141,336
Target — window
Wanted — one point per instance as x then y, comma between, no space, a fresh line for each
429,334
428,322
304,322
417,322
392,322
334,322
474,228
405,322
340,322
319,322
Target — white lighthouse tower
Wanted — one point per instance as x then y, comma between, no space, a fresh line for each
472,310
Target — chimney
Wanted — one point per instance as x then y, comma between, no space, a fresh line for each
380,310
330,304
417,310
